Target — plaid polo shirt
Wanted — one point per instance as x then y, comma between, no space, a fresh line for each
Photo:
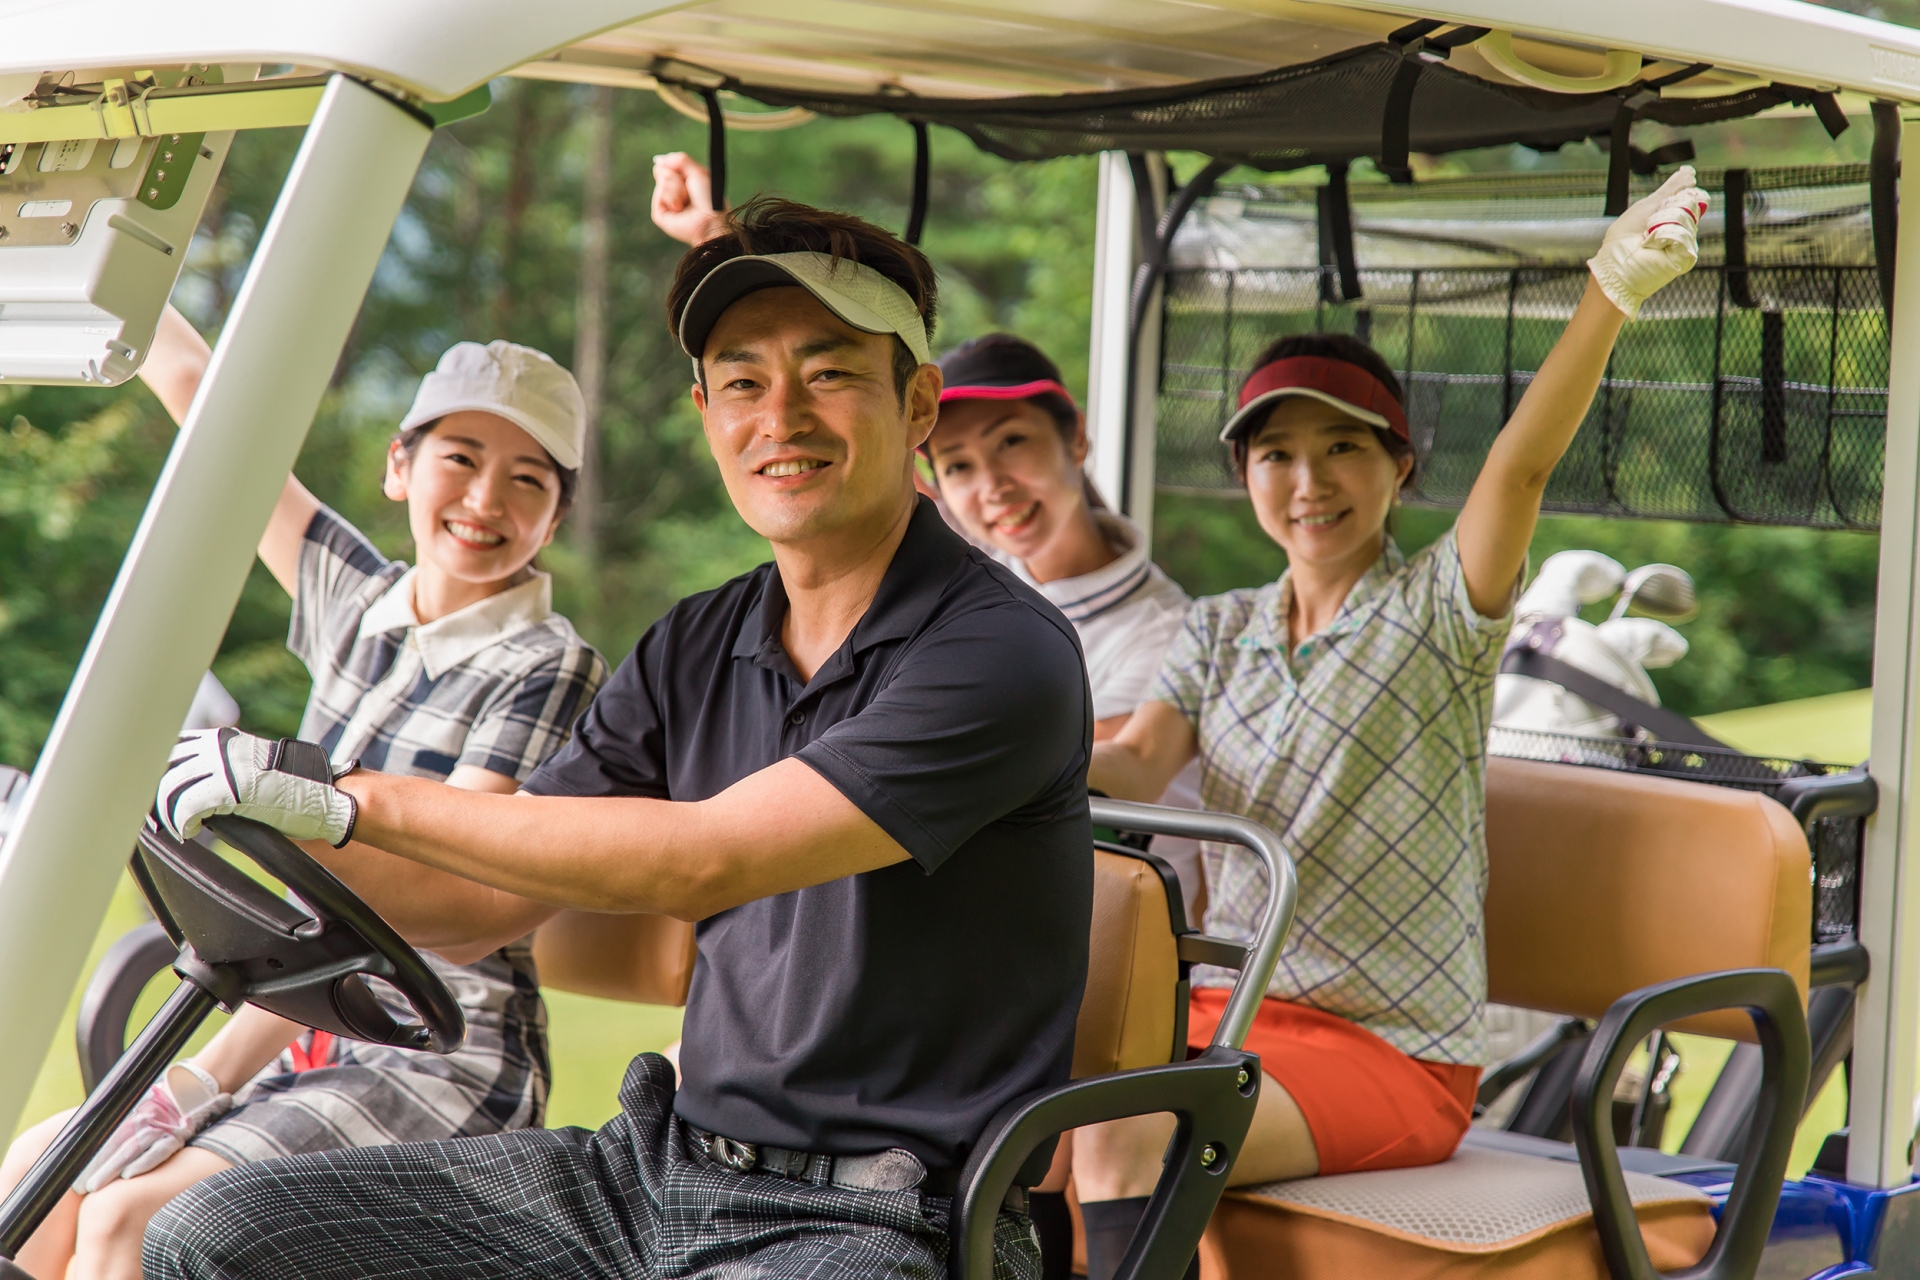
497,684
1365,749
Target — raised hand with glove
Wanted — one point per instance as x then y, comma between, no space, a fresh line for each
287,784
181,1103
1652,244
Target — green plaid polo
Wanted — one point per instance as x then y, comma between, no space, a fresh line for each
1365,749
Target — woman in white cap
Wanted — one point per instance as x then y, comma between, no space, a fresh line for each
455,668
1346,706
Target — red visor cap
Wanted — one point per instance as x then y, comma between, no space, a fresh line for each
1013,391
1345,386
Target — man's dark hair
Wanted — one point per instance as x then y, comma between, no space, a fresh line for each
769,224
1332,346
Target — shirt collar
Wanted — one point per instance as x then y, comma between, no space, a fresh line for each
1269,627
1090,594
445,643
922,563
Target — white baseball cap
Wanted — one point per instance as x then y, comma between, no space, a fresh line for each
524,386
851,290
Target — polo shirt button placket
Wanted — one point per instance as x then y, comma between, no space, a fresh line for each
797,718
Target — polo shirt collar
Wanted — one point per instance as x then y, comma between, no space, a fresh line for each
1269,627
1092,594
445,643
921,565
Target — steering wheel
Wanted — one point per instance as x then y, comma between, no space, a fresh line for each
242,942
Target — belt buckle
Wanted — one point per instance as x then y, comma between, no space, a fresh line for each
741,1157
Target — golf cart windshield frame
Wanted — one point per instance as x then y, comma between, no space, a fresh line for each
183,572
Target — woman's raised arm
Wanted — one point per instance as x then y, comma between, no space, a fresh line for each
173,370
1647,247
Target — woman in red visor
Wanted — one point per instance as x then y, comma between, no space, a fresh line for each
1346,706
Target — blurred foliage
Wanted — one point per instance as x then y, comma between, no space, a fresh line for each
488,246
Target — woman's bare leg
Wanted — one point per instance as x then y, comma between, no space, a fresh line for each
50,1248
1120,1160
113,1220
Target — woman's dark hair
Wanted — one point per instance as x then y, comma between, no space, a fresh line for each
1332,346
569,477
769,224
1001,359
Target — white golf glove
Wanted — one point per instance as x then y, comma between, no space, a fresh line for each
181,1103
286,784
1651,244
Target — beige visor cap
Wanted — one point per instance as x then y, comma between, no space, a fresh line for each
526,387
856,293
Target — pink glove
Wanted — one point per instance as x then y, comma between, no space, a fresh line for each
181,1103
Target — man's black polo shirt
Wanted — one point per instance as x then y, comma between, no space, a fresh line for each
904,1006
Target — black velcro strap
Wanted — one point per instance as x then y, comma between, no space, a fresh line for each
1739,286
1337,260
1667,726
1619,161
1883,192
716,148
1831,116
301,759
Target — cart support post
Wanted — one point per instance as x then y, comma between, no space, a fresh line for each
1888,1019
1121,461
190,556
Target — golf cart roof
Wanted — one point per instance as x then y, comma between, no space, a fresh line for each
439,49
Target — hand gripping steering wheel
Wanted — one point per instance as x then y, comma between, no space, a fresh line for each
241,941
308,960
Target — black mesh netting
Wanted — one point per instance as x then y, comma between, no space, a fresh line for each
1332,109
1834,842
1756,394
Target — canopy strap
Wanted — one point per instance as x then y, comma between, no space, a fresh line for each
1739,286
1620,161
922,172
1883,188
1336,238
1416,44
1827,108
716,147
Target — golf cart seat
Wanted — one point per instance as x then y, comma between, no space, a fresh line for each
1129,1016
1608,893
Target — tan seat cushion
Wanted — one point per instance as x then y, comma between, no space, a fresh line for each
1128,1015
1481,1214
1601,882
639,958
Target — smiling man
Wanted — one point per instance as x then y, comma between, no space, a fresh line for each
861,768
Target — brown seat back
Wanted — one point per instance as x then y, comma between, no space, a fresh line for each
1129,1014
640,958
1602,881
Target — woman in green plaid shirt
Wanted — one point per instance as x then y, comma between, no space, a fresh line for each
1346,707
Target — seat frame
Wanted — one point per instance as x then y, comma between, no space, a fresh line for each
1212,1097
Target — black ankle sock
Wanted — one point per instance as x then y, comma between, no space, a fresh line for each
1054,1225
1110,1226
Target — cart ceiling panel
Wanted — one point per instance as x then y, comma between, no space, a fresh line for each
937,48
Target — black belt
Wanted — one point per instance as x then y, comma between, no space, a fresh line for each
891,1170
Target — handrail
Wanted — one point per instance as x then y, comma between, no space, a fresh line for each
1283,889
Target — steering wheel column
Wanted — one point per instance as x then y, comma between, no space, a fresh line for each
308,959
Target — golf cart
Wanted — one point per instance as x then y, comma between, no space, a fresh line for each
114,119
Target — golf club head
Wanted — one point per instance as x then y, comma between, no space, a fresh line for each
1661,591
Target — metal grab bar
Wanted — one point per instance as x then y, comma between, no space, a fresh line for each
1283,891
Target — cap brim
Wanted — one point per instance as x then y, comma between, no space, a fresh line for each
735,278
563,452
1255,408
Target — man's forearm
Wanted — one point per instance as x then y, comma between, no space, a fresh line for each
433,909
784,828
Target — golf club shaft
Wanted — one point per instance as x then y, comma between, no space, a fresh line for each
53,1173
